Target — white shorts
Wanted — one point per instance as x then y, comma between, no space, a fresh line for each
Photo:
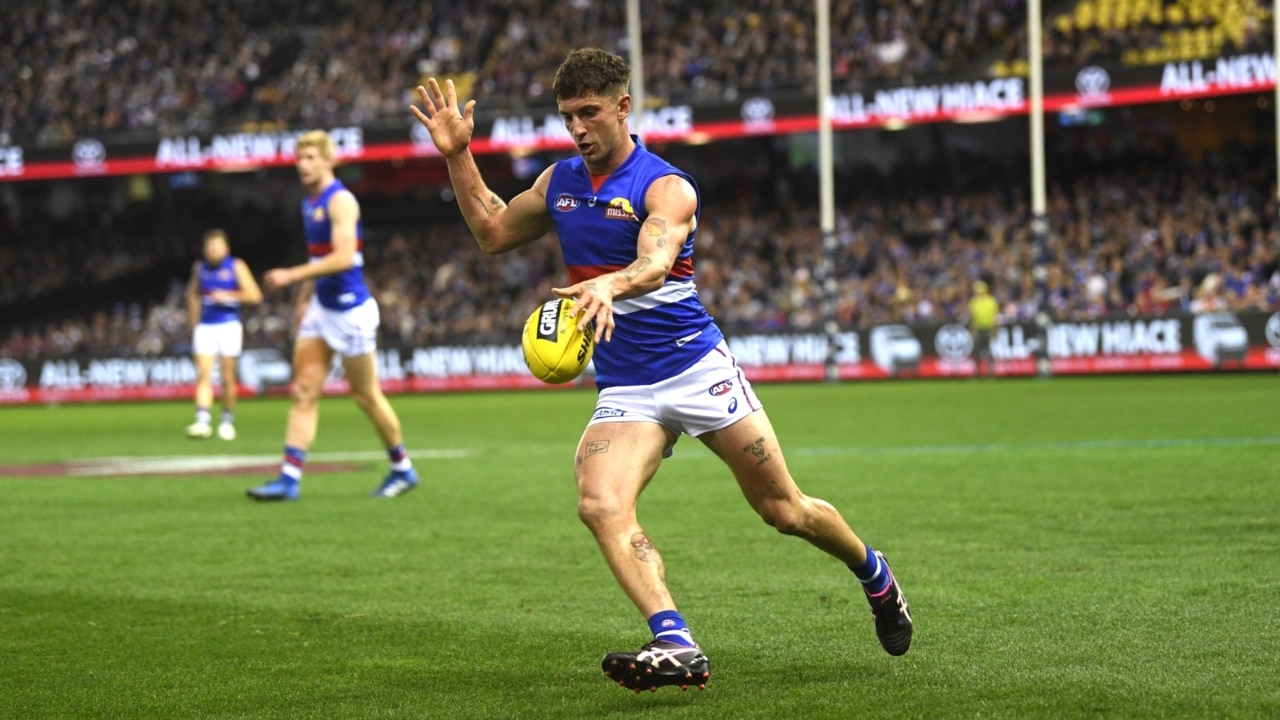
350,333
710,396
224,339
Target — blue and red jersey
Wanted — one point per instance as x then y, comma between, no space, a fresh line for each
218,277
657,335
344,290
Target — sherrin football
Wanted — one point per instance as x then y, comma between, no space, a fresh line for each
554,349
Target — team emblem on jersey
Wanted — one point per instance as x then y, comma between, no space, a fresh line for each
317,215
224,274
566,202
620,209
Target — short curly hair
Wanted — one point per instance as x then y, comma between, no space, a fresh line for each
591,71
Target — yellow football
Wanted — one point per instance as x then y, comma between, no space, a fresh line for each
554,349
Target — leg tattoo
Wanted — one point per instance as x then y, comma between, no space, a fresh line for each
757,450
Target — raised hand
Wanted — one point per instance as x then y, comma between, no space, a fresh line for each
450,127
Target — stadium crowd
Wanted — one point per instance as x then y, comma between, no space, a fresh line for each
82,67
1136,32
1130,238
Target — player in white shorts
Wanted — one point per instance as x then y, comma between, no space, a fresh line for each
626,220
337,316
220,284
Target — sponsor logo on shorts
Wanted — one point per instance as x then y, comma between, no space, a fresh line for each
733,406
607,412
720,388
566,202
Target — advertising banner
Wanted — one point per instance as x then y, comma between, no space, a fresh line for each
784,113
1219,341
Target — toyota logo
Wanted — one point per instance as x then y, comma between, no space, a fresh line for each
1273,331
88,153
757,111
12,375
1093,83
953,342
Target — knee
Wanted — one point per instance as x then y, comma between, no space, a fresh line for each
365,401
304,392
369,400
597,511
787,516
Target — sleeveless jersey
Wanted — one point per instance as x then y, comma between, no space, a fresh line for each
218,277
658,335
346,289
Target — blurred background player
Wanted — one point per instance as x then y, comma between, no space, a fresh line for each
626,223
336,315
220,284
983,313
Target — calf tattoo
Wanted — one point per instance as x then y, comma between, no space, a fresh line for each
644,548
757,450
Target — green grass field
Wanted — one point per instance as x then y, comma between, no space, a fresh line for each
1070,548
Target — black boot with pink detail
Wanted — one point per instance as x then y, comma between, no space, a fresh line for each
657,664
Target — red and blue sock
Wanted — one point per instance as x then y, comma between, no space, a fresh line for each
400,461
291,468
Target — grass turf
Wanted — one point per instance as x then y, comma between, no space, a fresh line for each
1070,548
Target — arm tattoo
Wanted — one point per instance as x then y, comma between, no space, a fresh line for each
634,269
656,230
491,206
757,450
643,546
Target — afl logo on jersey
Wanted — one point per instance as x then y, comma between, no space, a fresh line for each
566,202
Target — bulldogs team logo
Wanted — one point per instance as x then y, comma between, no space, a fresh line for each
566,202
620,209
720,388
317,215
